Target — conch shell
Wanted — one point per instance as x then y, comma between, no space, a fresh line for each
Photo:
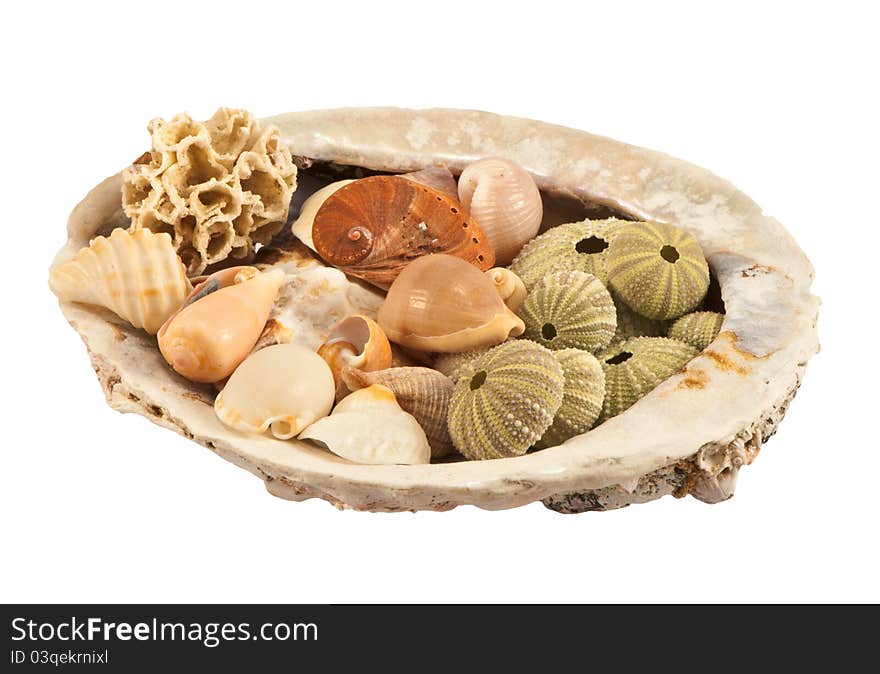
372,228
509,286
369,426
282,388
443,304
137,275
357,341
504,200
302,226
421,391
207,339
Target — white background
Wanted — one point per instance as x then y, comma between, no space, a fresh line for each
779,98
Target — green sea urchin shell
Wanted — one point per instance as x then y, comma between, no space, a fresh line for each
575,246
634,367
630,324
658,270
454,364
582,396
697,329
505,401
569,309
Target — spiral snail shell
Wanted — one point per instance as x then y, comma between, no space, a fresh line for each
373,227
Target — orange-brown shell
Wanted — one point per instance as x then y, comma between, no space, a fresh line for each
372,228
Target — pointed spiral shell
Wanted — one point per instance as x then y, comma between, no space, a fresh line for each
575,246
697,329
636,366
659,270
569,309
582,396
506,401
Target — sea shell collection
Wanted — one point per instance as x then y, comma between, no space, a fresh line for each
475,335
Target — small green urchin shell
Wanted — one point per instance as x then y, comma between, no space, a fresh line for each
569,310
697,329
582,396
658,270
505,401
454,364
575,246
630,324
634,367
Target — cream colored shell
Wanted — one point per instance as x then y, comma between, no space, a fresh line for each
368,426
504,200
137,275
509,286
282,388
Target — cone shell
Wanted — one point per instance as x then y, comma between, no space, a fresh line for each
636,366
282,388
506,401
358,341
659,270
421,391
698,329
441,303
369,427
373,227
302,226
509,286
207,339
570,309
136,275
582,396
575,246
504,200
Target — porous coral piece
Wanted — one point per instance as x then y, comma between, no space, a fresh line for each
582,396
659,270
575,246
636,366
505,401
697,329
217,187
569,309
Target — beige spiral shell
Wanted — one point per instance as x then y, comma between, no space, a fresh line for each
503,199
357,341
137,275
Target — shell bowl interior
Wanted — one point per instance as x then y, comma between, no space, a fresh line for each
691,435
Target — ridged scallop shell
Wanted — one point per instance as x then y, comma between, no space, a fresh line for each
370,427
282,388
630,324
506,401
209,337
421,391
659,270
374,227
636,366
569,309
582,396
136,275
440,303
509,286
697,329
357,341
575,246
453,365
504,200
